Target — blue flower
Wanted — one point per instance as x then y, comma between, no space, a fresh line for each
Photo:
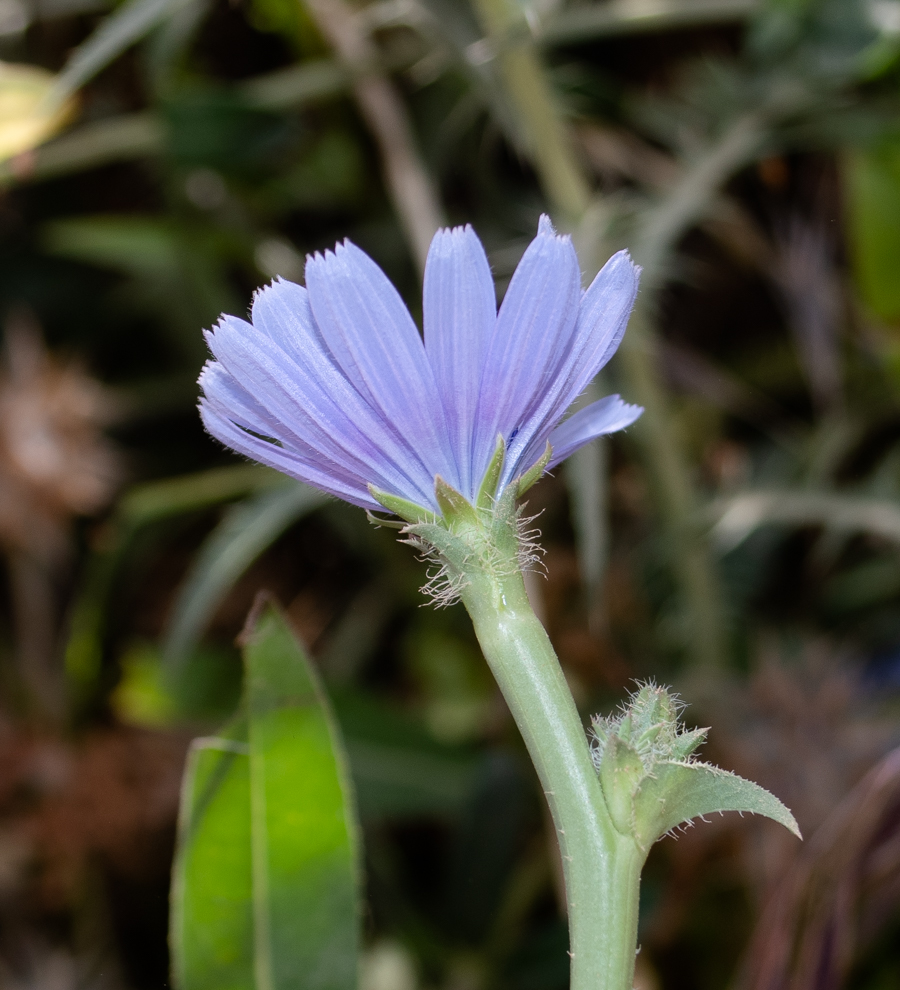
333,385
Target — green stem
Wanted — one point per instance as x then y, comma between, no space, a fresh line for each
559,171
602,867
673,490
659,232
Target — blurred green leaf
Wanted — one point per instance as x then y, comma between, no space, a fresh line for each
116,33
166,260
296,85
140,507
872,185
141,246
738,516
266,878
399,768
218,128
206,689
584,22
155,500
211,933
243,534
132,135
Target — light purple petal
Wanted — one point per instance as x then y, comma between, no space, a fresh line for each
368,329
460,311
286,461
228,399
602,318
604,416
535,326
316,405
282,311
221,389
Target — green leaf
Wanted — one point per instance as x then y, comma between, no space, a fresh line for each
116,33
136,245
155,500
266,880
650,782
140,507
212,891
678,792
872,186
245,532
304,841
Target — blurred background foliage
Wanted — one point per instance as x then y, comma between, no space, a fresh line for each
163,158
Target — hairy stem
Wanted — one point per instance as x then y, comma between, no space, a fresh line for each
602,867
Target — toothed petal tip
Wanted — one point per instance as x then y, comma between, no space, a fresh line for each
545,226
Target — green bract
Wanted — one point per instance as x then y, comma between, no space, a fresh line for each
650,779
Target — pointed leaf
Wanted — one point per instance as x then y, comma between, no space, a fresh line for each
266,881
401,507
212,915
679,792
454,506
533,475
488,487
304,839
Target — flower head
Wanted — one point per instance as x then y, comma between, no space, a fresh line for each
333,385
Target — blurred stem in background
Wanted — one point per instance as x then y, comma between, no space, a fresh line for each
408,182
509,37
34,600
567,188
659,232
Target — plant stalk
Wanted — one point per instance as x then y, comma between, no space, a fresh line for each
659,233
408,182
601,866
542,130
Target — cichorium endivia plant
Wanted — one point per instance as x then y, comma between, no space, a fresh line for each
332,384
